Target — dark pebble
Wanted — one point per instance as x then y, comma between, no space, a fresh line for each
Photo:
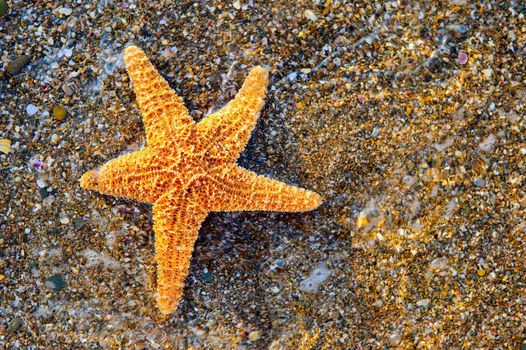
79,224
14,67
15,323
3,8
43,192
32,265
55,282
53,230
208,277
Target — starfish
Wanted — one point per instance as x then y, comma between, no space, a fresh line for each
188,169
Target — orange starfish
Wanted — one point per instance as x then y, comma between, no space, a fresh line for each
188,169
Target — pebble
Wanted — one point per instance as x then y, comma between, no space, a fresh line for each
488,145
460,28
15,66
41,183
31,109
253,336
310,15
65,11
375,132
67,90
439,264
488,72
64,220
479,182
208,277
15,324
277,265
59,112
237,4
55,282
43,193
292,76
136,29
395,338
5,146
423,302
198,331
362,220
3,8
462,58
318,276
410,181
79,224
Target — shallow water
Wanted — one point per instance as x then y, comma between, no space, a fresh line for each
407,117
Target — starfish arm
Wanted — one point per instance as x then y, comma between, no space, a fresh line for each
177,217
229,128
164,115
129,176
232,188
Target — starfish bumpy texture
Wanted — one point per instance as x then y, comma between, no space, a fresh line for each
188,169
